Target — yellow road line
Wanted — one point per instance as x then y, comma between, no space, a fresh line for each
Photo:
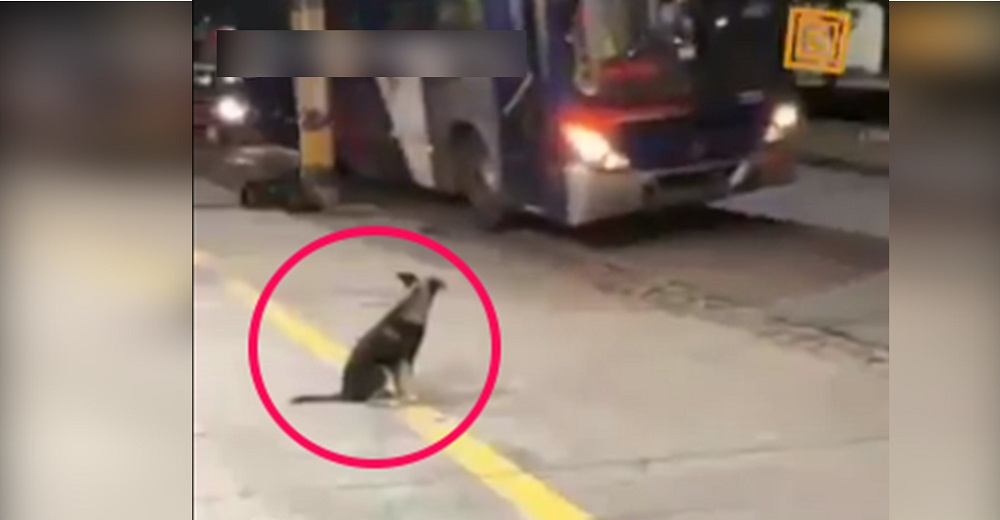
282,318
528,493
534,498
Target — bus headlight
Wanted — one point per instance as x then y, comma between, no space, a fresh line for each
593,149
232,110
784,120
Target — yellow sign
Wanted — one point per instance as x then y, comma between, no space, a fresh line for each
816,40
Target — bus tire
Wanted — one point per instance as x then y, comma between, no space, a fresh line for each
480,185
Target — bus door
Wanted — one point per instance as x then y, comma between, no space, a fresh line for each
523,130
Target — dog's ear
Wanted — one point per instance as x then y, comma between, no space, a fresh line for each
408,279
438,284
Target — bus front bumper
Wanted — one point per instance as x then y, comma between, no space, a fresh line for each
594,195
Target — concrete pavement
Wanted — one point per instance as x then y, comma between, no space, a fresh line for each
623,411
825,199
859,308
827,231
847,145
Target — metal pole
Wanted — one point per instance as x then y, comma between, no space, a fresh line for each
316,133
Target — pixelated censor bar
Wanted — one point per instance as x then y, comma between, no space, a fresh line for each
258,54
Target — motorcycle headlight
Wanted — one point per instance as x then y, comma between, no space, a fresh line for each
784,120
232,110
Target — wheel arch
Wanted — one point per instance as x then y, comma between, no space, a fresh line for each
461,135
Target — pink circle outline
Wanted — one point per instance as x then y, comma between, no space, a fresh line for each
390,462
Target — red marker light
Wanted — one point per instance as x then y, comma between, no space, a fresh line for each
632,70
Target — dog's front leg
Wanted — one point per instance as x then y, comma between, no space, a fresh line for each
396,377
385,396
404,382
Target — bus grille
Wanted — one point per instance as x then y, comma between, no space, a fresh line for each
678,142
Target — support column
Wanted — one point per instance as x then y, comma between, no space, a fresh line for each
317,157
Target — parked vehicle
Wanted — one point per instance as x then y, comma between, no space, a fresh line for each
861,93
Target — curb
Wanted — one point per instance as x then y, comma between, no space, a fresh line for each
860,147
843,165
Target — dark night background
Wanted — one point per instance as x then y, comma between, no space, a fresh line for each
245,14
273,96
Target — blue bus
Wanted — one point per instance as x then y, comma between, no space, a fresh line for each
628,105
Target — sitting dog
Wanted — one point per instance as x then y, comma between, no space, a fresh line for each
389,349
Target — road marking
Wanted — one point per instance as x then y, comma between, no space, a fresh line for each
525,491
529,494
282,318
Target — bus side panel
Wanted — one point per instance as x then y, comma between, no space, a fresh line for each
519,113
522,141
363,131
454,101
511,144
521,110
511,139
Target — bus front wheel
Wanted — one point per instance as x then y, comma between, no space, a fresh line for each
480,179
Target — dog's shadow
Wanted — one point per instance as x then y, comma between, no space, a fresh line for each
441,400
457,401
450,400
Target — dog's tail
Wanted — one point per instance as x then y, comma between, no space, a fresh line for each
315,399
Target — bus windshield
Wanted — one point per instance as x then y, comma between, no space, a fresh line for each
614,29
631,51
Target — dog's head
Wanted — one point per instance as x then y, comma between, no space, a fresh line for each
435,284
420,295
432,283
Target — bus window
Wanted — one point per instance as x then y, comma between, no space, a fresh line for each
412,15
459,14
612,29
606,30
